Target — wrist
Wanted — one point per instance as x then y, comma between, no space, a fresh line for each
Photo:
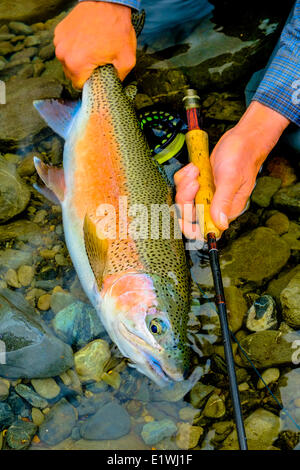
261,128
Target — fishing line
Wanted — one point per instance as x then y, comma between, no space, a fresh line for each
255,369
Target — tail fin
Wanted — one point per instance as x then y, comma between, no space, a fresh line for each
138,21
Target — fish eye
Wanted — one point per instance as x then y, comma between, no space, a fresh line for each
157,327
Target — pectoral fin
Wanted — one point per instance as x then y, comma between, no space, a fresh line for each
96,249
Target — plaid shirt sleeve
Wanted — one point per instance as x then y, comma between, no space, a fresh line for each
129,3
280,87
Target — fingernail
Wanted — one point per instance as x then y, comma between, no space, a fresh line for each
223,220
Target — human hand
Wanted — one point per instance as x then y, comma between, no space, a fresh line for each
94,34
235,161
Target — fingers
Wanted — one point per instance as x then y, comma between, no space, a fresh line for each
126,59
221,206
186,190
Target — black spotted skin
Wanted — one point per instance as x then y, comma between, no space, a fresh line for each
163,259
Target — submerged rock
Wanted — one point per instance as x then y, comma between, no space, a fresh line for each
292,237
15,195
288,199
29,10
13,259
21,122
200,393
290,302
268,376
20,434
90,360
46,388
32,351
262,428
6,416
276,286
261,315
280,167
31,396
266,187
236,307
188,436
279,222
254,257
77,324
156,431
268,348
215,407
58,423
110,422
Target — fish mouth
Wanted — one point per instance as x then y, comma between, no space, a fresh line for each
152,365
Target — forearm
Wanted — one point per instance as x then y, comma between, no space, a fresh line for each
262,125
129,3
279,89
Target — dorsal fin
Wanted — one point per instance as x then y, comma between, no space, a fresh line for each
58,114
96,249
53,178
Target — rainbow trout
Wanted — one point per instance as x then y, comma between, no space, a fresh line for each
139,285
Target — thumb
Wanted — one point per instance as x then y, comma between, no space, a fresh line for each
222,202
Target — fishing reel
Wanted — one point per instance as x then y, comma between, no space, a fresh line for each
165,133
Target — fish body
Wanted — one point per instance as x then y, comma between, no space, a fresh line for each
139,285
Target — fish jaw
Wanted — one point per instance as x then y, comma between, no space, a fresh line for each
124,314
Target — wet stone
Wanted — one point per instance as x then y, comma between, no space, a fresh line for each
262,314
32,351
77,324
276,286
19,406
268,348
6,48
32,41
236,307
266,187
261,428
15,195
214,407
4,389
268,376
37,416
61,300
199,394
18,27
288,199
188,436
58,423
32,397
44,302
156,431
6,416
111,421
91,359
254,257
47,52
290,302
46,388
20,434
89,405
11,278
279,222
25,275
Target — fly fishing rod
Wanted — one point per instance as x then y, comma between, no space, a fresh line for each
198,149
